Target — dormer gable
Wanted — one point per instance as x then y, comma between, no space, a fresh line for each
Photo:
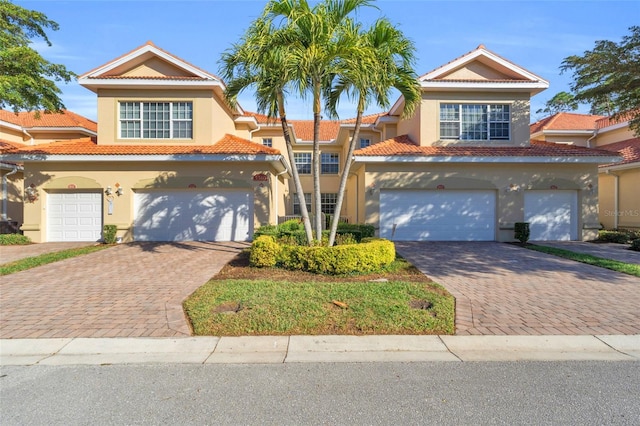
484,70
149,66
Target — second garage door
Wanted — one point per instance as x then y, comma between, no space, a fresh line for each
421,215
552,215
192,216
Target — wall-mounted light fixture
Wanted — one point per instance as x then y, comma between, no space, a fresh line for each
31,193
589,188
513,188
119,190
372,188
108,190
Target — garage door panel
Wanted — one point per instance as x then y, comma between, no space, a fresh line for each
423,215
74,216
552,215
185,216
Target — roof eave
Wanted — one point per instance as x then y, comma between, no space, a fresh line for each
615,168
481,159
35,157
533,87
140,83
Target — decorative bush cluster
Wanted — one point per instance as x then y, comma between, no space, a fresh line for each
635,245
292,232
109,234
522,231
13,240
370,255
620,236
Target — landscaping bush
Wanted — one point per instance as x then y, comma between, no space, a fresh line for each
365,231
620,237
266,230
109,234
264,252
522,231
368,256
13,240
291,225
635,245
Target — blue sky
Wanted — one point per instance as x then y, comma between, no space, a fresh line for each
536,35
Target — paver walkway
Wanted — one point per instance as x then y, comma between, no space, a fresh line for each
129,290
619,252
505,289
13,253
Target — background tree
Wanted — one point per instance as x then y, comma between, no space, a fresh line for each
610,71
561,102
27,80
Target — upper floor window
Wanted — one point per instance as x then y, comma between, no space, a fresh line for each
156,120
364,142
267,142
329,164
303,162
475,121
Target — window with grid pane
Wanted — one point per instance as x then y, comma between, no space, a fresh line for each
329,164
328,203
296,203
267,142
303,162
475,121
365,142
156,120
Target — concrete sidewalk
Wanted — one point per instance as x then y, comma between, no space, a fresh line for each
298,349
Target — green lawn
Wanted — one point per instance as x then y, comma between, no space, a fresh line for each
614,265
263,307
43,259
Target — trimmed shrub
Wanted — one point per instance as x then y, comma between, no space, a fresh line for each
266,230
345,239
264,252
365,230
291,225
635,245
13,240
109,234
620,237
522,232
366,257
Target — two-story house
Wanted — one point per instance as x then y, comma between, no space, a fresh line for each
618,194
172,161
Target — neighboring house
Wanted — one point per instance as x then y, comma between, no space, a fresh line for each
172,161
25,129
618,183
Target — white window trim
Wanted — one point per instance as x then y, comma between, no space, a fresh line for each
141,120
488,122
310,162
337,162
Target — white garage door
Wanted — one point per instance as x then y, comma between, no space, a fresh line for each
193,216
552,215
420,215
74,216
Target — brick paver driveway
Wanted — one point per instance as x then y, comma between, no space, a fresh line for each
128,290
505,289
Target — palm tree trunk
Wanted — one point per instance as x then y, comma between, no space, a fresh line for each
345,173
294,170
316,161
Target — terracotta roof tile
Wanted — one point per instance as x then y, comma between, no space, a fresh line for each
366,119
7,147
49,119
304,129
610,121
229,144
629,149
565,121
403,146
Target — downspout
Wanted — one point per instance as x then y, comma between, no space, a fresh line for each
5,192
595,133
616,199
30,137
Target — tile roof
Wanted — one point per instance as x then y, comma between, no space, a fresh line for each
629,149
366,119
565,121
48,119
304,129
404,146
229,144
610,121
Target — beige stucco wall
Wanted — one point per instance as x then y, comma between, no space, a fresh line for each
96,176
211,118
498,177
611,136
578,140
12,135
429,117
628,210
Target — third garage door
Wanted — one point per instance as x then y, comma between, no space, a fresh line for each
423,215
188,216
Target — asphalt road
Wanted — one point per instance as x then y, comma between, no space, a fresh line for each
567,393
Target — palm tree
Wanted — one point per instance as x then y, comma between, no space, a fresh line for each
261,60
384,60
318,42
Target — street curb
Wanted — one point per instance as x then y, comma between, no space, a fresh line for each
301,349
